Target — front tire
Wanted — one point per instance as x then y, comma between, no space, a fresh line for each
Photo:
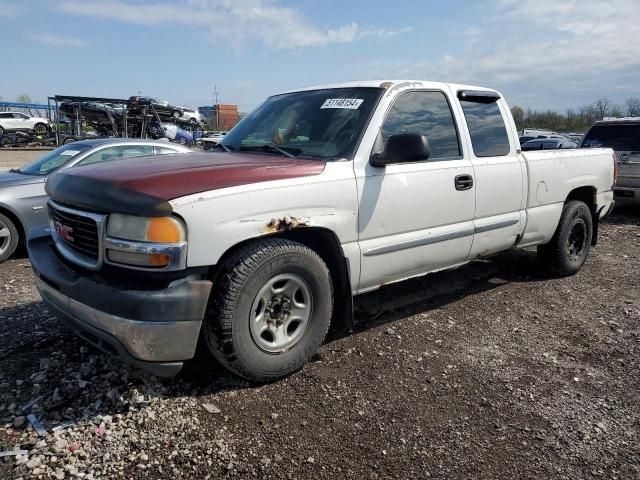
39,128
271,310
567,251
177,114
9,238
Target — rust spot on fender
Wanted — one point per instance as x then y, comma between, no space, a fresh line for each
284,224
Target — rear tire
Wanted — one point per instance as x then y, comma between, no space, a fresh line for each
9,238
271,310
567,251
1,131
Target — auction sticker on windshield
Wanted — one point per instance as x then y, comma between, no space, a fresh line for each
70,153
348,103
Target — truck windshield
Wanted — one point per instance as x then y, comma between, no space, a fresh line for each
323,124
53,160
619,137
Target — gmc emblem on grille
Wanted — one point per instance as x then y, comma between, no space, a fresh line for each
64,231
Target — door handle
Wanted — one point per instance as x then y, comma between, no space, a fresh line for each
463,182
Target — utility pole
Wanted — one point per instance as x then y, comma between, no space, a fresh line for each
216,100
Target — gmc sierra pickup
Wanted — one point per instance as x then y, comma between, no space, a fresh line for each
318,195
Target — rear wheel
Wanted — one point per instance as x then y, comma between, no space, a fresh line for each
177,114
271,311
1,131
9,237
567,251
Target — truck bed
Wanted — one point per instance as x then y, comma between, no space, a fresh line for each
552,174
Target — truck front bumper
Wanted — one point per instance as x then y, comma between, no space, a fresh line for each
154,327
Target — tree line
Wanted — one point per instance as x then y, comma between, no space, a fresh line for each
574,120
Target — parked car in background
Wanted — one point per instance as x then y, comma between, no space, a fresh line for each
193,116
318,195
22,195
525,138
623,136
548,144
171,132
211,139
536,132
164,110
17,121
574,137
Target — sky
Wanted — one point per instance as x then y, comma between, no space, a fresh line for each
543,54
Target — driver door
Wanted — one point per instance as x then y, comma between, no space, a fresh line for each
416,217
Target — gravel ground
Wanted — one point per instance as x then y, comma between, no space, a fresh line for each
10,158
489,371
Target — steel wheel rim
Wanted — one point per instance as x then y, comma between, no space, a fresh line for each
281,313
577,239
5,237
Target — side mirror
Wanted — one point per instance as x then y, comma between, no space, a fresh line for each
404,147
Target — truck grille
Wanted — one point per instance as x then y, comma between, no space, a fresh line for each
77,235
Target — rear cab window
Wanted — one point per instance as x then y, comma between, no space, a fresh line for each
489,137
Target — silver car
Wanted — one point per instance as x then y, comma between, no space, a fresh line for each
22,195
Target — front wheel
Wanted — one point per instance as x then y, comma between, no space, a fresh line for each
39,128
567,251
177,114
271,310
9,238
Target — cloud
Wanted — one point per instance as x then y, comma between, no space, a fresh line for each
234,21
55,40
10,9
383,33
545,52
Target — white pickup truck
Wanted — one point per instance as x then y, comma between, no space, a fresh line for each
318,195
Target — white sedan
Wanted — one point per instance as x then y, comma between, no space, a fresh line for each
16,121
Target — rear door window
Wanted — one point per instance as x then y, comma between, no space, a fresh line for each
115,153
165,151
488,132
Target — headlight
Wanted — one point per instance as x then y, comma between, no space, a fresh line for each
146,229
146,242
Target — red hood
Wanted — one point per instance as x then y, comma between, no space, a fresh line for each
173,176
144,185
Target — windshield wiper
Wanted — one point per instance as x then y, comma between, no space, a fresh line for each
291,152
15,170
225,147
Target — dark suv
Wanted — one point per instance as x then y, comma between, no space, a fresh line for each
623,136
